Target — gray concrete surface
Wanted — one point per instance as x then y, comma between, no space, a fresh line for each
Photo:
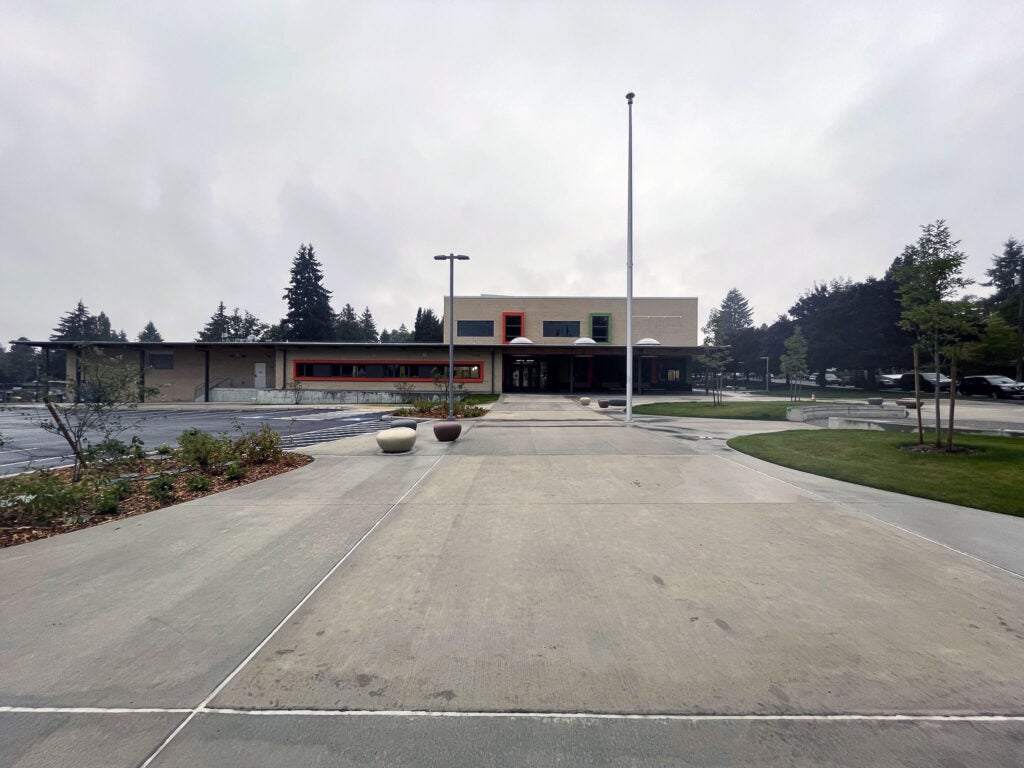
554,588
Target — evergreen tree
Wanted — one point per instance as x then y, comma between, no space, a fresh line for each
1004,273
217,328
346,325
242,326
22,363
368,327
150,333
428,328
734,315
309,317
100,329
76,325
385,337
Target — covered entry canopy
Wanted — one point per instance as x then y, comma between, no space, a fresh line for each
530,367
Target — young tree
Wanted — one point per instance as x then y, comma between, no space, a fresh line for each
734,314
310,317
97,415
150,333
368,327
929,275
714,357
794,362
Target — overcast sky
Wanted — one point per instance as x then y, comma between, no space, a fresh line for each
157,158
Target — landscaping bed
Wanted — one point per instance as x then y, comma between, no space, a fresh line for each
45,503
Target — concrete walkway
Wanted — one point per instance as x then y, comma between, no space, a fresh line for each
556,588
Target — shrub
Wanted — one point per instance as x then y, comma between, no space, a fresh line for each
259,447
39,497
161,488
198,483
235,471
203,449
107,502
165,449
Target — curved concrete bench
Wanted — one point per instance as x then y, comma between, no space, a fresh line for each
396,440
584,401
410,423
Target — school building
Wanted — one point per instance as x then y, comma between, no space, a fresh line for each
502,344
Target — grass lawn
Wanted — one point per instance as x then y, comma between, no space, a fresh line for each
767,410
990,477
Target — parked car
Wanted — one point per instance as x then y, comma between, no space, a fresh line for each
927,382
891,380
995,387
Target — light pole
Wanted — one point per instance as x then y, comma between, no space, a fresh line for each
767,376
1019,280
451,258
629,267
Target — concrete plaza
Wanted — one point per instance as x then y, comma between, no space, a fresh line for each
556,588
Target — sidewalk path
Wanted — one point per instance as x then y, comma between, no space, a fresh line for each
555,588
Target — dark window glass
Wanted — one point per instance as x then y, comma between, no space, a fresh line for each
566,329
161,361
475,328
599,328
513,326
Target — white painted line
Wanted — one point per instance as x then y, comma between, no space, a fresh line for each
653,716
202,706
95,710
616,716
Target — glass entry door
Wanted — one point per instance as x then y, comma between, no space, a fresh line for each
526,375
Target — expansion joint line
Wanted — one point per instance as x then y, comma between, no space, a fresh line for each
203,705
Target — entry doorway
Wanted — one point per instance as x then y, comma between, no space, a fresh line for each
526,375
259,376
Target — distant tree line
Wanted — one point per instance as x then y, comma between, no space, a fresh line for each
309,318
873,326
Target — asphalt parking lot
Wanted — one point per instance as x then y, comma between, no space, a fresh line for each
27,446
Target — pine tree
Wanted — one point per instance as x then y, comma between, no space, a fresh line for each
346,325
309,317
217,328
368,327
428,329
735,314
100,328
150,333
76,325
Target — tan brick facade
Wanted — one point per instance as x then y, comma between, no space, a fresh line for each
672,321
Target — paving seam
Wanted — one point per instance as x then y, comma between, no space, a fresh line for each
202,706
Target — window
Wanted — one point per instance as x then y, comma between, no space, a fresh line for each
483,328
513,323
601,328
566,329
375,370
160,361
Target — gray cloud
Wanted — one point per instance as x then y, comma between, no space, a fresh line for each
158,160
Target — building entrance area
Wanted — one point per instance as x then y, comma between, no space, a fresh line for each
592,373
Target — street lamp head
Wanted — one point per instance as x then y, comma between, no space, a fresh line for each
458,257
629,97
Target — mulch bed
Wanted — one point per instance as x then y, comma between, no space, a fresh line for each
139,500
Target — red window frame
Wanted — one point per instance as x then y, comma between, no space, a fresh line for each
504,325
440,363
